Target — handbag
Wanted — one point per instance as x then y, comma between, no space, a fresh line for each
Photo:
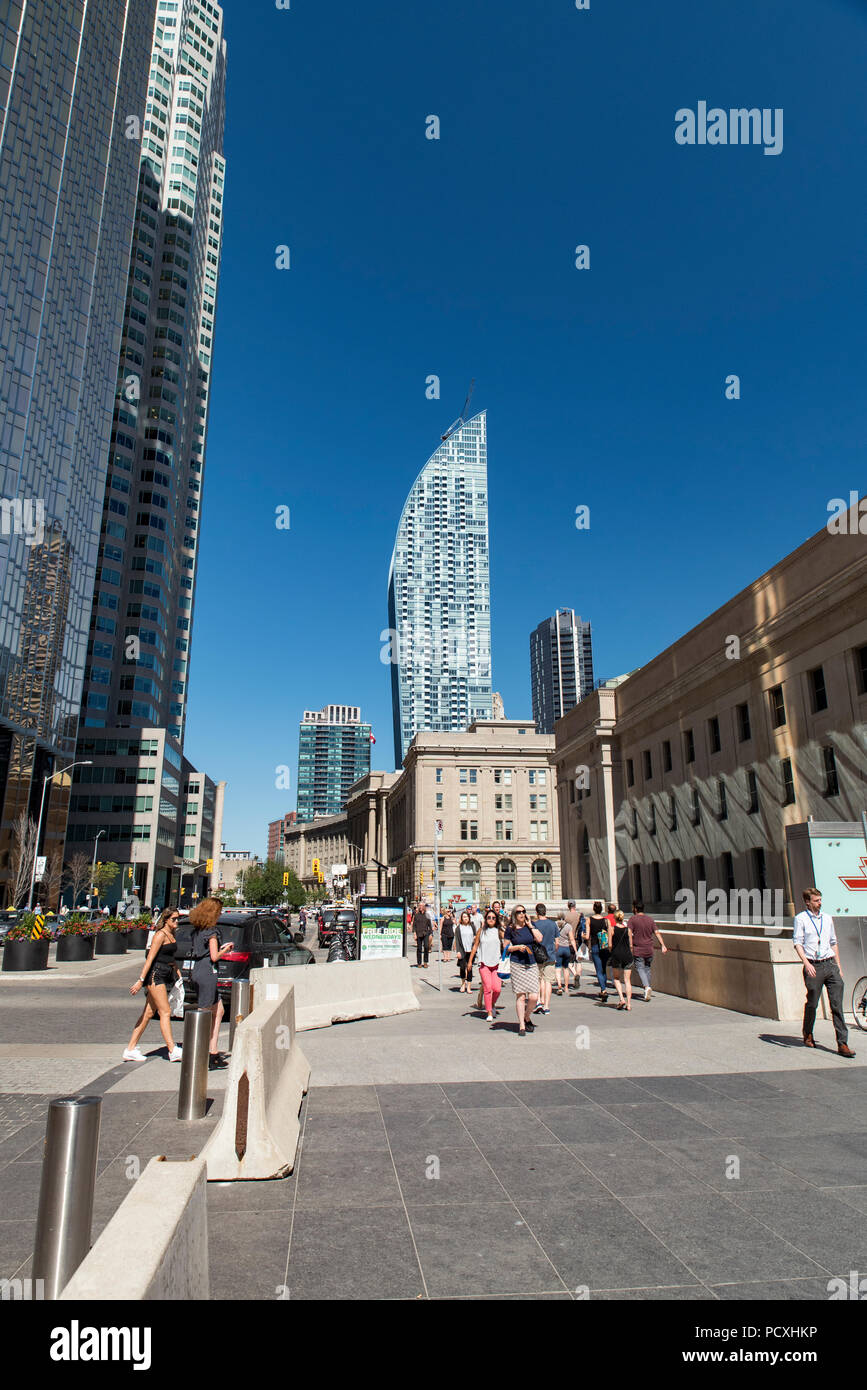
504,969
176,999
540,955
603,940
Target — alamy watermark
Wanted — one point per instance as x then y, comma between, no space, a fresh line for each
747,906
445,648
737,126
23,517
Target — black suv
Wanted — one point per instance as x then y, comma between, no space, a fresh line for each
257,939
333,920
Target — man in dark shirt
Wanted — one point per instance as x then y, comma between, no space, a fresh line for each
644,930
422,930
547,973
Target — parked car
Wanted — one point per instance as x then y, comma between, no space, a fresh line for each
335,919
257,939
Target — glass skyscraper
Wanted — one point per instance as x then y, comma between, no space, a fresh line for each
333,752
439,593
70,75
561,667
138,655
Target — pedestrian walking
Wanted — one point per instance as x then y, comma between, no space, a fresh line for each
464,938
476,916
621,959
422,930
815,941
575,919
447,933
596,935
159,974
565,949
488,945
520,937
644,932
547,972
206,952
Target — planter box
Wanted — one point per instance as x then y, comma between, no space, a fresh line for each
75,948
26,955
137,939
110,943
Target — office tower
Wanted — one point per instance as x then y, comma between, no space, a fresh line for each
561,667
140,627
70,75
439,596
277,832
333,752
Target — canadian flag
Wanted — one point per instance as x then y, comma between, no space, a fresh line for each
372,739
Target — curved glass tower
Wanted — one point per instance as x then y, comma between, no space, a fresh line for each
439,593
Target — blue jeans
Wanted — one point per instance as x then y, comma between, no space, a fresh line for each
600,964
643,965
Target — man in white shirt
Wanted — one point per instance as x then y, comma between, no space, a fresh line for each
815,941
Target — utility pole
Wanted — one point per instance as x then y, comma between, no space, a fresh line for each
438,834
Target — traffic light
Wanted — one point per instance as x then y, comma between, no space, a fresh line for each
209,866
421,876
285,880
316,867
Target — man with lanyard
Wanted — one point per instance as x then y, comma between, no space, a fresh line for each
815,941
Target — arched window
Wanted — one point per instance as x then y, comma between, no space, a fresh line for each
541,878
507,879
471,877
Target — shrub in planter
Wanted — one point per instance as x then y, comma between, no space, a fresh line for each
26,945
75,938
111,937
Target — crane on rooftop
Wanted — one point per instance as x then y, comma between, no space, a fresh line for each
461,420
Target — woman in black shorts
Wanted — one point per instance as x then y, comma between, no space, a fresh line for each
621,960
157,977
203,920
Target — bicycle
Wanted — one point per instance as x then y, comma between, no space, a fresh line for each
859,1002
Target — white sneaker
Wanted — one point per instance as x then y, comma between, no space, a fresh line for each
176,1054
647,995
133,1055
490,1018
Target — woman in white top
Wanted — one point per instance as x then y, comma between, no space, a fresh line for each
488,944
464,941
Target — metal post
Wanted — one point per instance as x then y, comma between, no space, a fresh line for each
239,1007
66,1192
193,1090
437,906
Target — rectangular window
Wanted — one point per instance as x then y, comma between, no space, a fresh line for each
688,746
753,791
832,782
817,690
498,801
699,869
474,829
728,871
439,774
630,773
464,834
676,875
745,731
532,794
543,801
648,764
714,734
652,826
672,807
473,776
499,829
696,807
439,805
462,775
861,669
534,830
463,801
760,872
777,706
543,830
666,756
723,800
657,883
788,782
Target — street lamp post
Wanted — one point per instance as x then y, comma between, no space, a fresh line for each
48,777
93,867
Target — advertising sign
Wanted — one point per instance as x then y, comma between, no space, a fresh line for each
455,900
41,864
381,928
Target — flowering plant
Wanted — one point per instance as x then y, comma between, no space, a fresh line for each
25,929
76,924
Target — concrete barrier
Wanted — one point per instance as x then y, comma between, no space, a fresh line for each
257,1135
752,974
337,993
156,1244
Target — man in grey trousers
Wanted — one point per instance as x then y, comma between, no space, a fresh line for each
815,941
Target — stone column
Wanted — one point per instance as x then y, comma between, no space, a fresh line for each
608,824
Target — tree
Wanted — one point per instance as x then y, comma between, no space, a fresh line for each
227,897
21,858
54,877
263,885
295,894
103,876
78,875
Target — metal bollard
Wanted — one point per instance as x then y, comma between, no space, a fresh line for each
193,1090
239,1007
66,1191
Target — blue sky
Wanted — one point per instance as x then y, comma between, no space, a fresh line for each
603,387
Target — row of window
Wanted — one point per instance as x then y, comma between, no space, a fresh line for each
647,885
818,694
537,777
504,830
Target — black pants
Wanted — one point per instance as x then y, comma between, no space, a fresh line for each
828,977
465,974
422,943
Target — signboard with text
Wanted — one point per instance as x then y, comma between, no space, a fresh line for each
381,928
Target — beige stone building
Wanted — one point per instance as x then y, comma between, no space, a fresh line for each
325,839
492,789
696,763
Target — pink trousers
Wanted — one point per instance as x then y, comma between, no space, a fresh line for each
491,985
